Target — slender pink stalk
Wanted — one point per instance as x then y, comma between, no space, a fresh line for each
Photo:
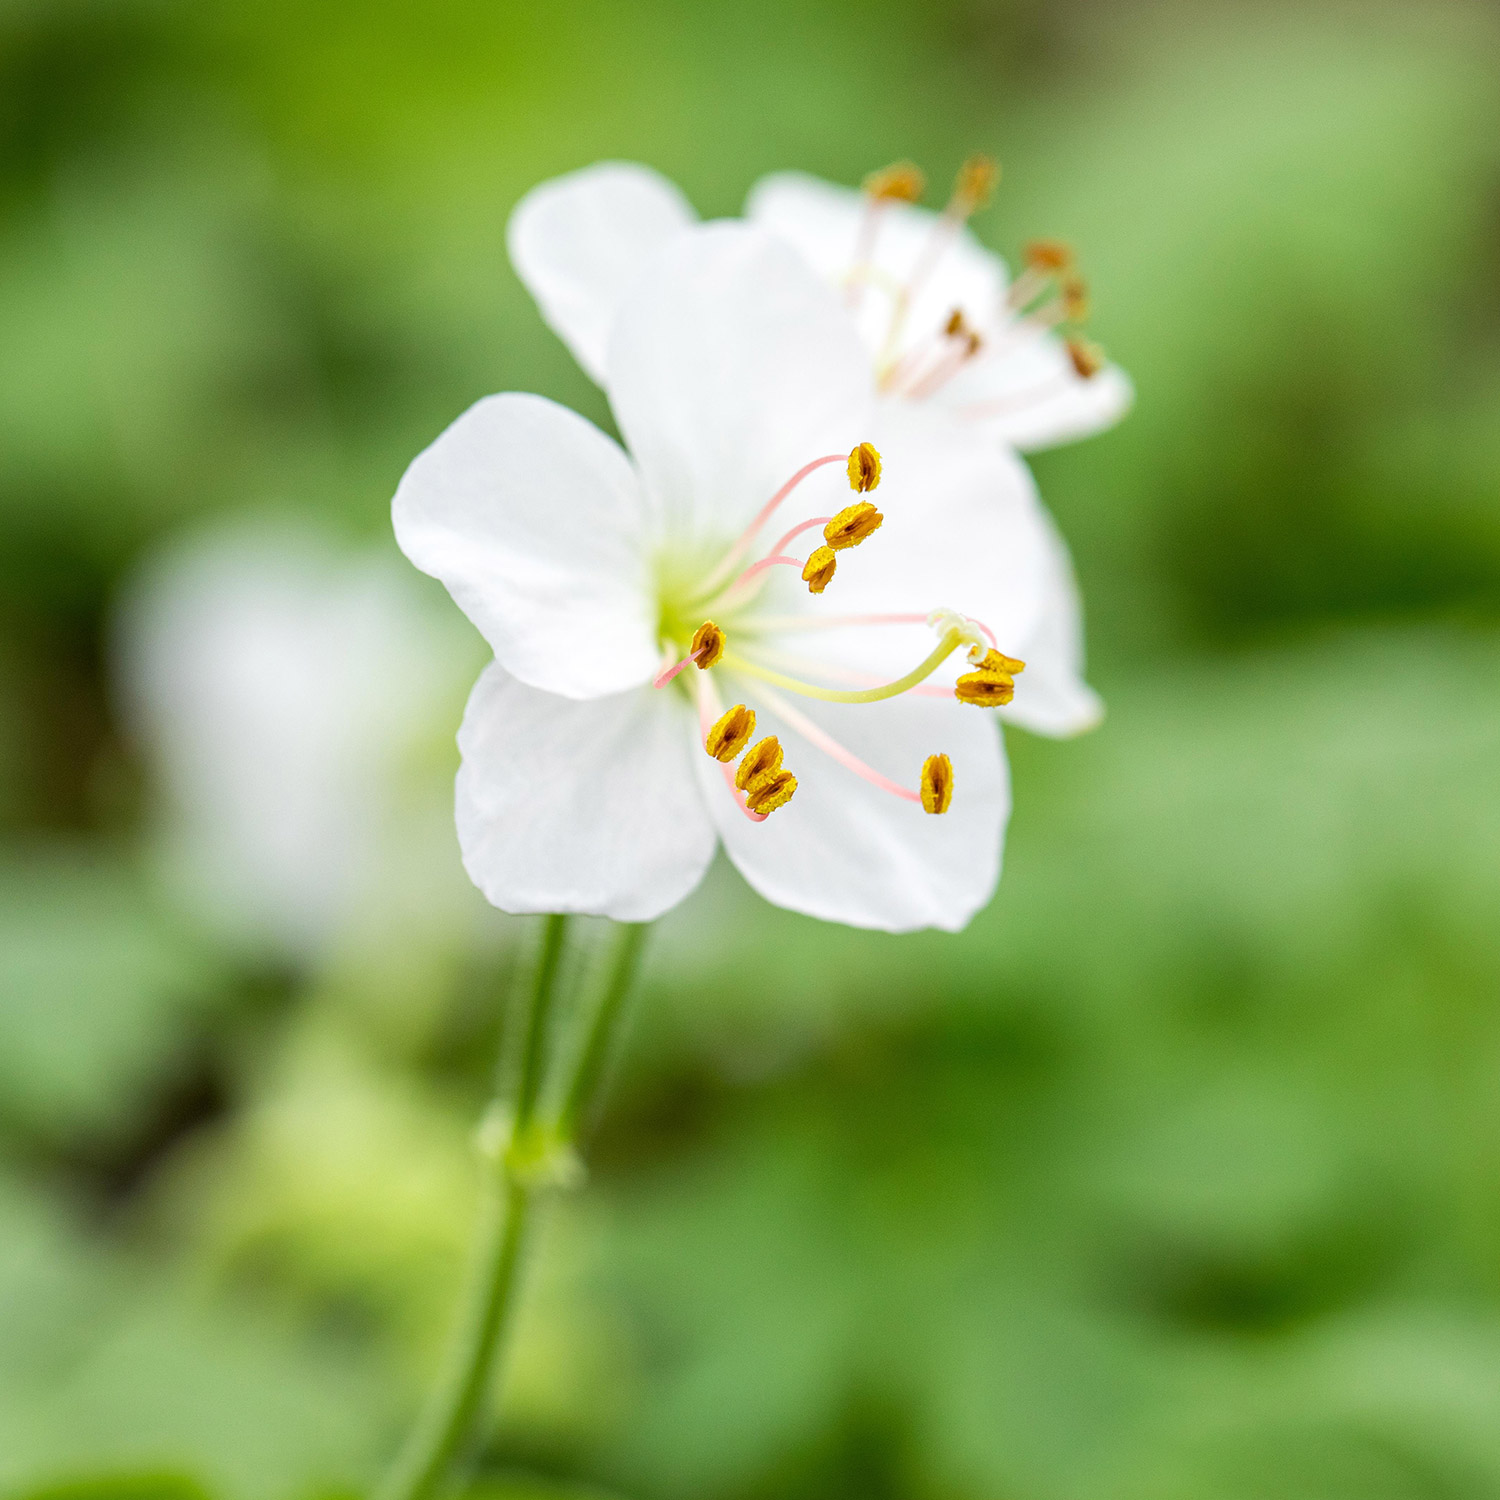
797,531
663,678
738,550
761,566
831,747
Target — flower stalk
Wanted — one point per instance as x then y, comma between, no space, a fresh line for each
523,1153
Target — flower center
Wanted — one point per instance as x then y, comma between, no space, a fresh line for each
736,641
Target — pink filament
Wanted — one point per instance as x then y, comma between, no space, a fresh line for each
835,751
762,565
663,678
766,512
797,531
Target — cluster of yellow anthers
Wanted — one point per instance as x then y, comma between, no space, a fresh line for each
766,783
1049,293
850,526
761,782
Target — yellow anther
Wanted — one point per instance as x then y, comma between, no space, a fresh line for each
731,734
764,760
819,569
956,323
975,182
771,792
864,468
1087,358
1045,256
1075,298
708,645
901,182
985,689
996,661
937,784
852,525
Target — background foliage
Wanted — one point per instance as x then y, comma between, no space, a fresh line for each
1178,1175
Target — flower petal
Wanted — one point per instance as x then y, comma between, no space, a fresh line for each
580,807
845,851
731,366
579,241
1024,391
1051,696
534,520
826,224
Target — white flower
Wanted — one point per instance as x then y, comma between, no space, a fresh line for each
634,604
287,692
941,321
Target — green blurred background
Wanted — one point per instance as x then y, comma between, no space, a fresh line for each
1176,1177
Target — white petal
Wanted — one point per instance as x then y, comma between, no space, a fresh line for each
577,242
580,807
1051,696
825,224
534,520
845,851
731,367
1024,391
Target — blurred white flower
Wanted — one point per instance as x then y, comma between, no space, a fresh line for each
646,636
293,697
943,325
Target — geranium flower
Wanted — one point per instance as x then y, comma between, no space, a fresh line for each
713,635
942,324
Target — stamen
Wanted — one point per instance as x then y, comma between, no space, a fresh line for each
985,689
708,708
708,645
852,525
1074,291
818,571
937,784
742,545
997,661
864,468
770,793
764,760
731,733
1087,358
707,648
1049,255
973,186
901,182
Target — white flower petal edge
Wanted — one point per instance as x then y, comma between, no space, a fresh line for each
847,852
578,241
1052,697
581,807
729,367
535,521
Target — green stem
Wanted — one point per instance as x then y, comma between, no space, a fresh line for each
448,1424
534,1035
588,1070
